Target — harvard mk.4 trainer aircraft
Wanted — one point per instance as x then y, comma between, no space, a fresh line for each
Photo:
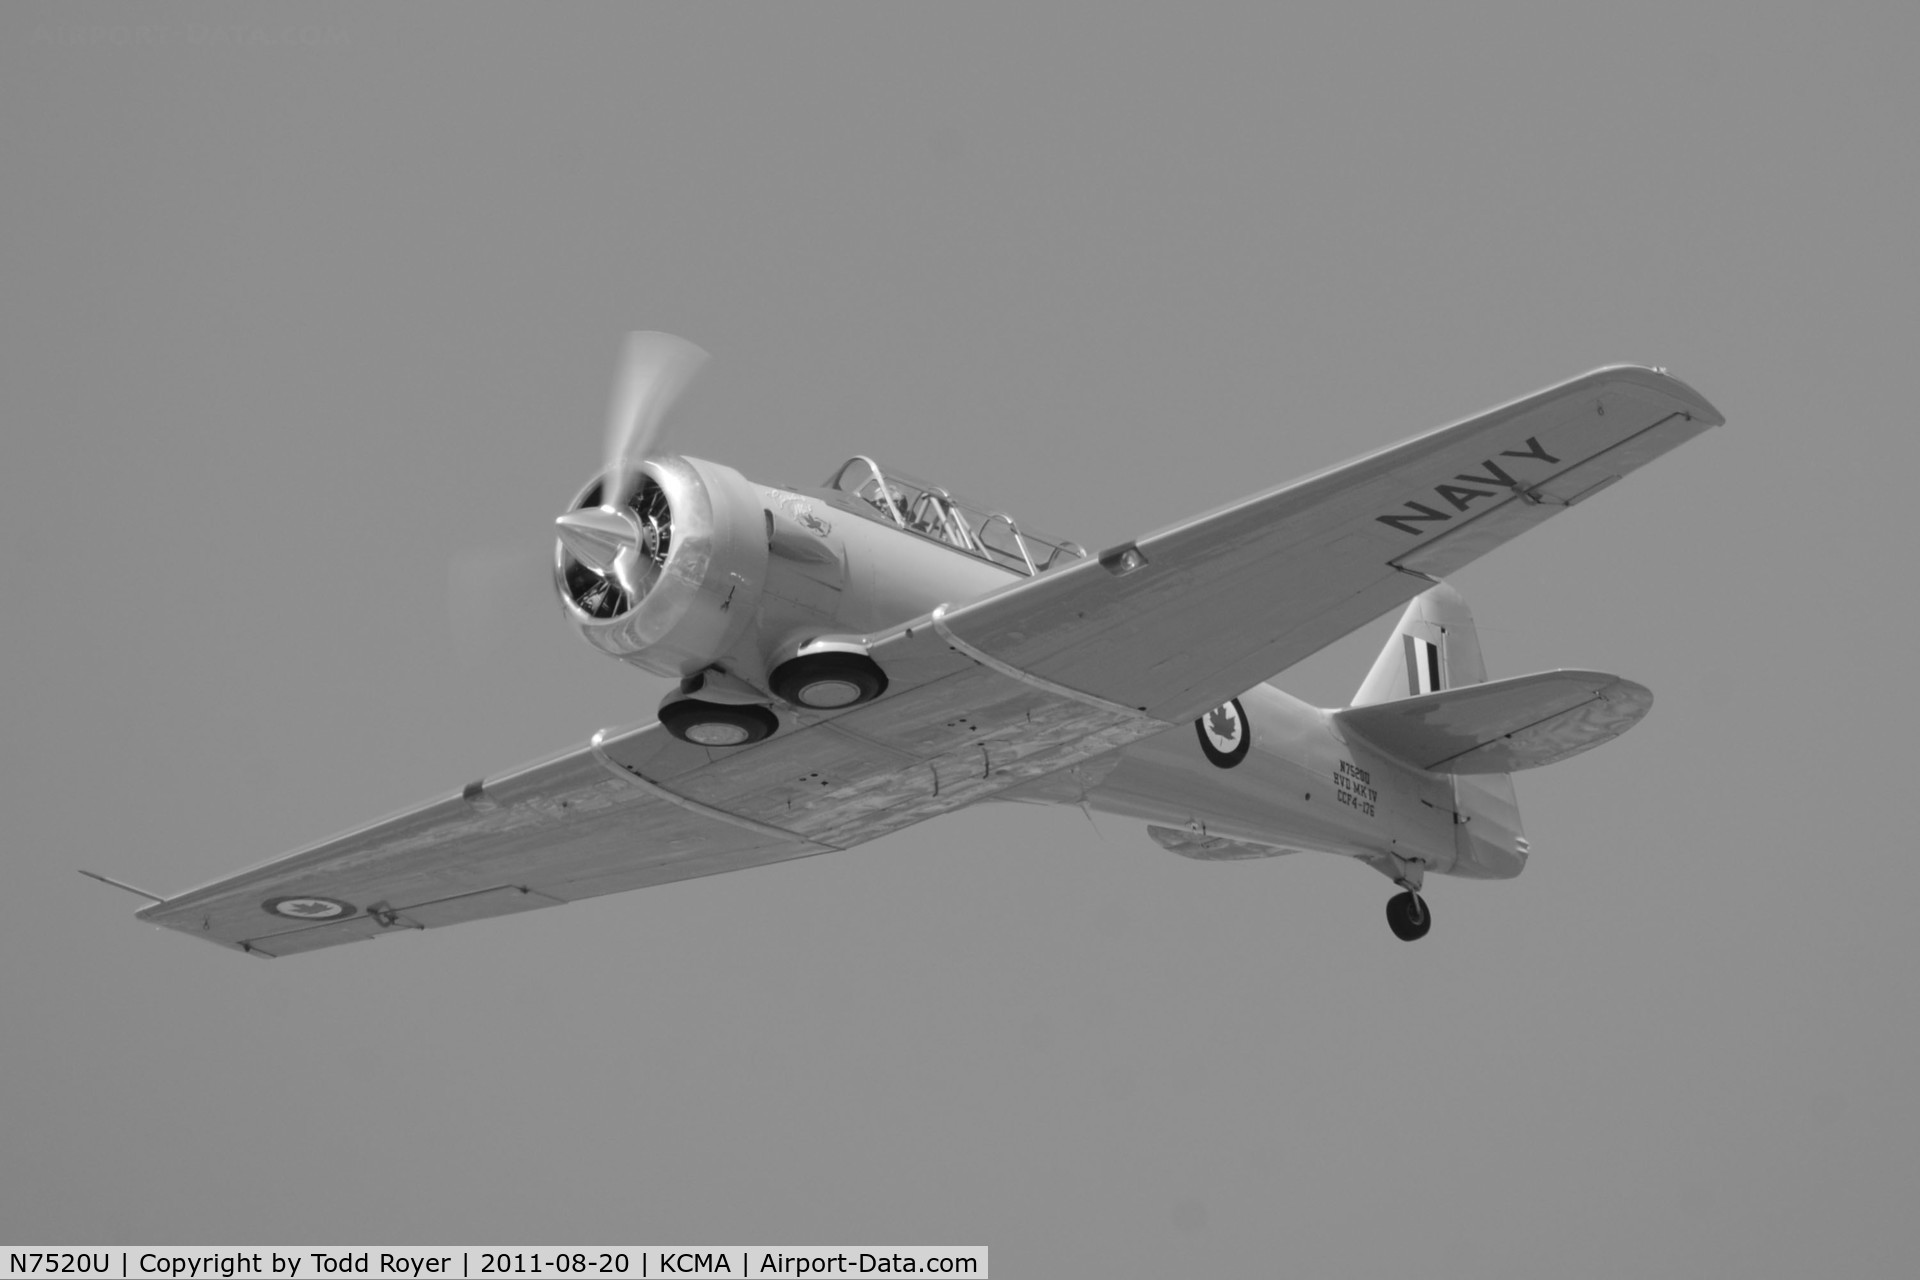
860,657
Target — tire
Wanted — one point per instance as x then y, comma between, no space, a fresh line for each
1409,917
829,681
717,724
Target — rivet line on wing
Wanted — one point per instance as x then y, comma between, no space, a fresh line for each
596,744
939,620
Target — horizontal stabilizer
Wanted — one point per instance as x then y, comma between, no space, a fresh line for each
1503,726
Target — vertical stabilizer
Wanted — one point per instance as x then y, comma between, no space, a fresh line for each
1435,647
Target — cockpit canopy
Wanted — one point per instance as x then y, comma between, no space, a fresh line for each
932,512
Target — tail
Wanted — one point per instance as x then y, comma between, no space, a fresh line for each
1436,648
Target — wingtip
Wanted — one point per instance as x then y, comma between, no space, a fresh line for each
1656,378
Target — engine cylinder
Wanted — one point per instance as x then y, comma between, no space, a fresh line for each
701,567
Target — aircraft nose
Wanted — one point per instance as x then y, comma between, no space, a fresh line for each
597,535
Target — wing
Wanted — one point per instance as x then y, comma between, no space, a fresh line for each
640,808
562,829
1185,618
1504,726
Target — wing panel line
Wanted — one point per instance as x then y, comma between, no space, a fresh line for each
653,788
1011,672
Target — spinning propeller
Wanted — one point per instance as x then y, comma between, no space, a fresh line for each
627,532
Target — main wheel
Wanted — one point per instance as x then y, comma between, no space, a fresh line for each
717,724
1408,916
829,681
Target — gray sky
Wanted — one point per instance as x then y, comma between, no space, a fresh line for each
307,311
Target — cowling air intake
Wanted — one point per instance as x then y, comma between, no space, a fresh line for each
670,577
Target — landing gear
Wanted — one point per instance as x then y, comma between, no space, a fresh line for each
716,724
829,680
1408,916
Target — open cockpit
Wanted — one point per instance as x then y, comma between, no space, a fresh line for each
926,509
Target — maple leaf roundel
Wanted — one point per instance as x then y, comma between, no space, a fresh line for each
308,907
1223,733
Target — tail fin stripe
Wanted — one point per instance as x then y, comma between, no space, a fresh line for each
1433,649
1423,665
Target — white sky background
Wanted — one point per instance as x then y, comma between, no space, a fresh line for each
292,334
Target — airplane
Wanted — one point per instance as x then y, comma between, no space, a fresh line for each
860,657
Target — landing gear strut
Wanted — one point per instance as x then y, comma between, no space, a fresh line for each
1408,916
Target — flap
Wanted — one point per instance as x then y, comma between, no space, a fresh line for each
1503,726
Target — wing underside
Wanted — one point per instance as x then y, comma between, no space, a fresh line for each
639,808
1215,605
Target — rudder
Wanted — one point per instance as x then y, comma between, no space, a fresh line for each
1435,647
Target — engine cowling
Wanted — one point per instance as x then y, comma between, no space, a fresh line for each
694,539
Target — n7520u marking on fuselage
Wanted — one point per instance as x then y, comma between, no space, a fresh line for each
1459,496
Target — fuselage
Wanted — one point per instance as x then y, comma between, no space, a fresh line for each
1296,781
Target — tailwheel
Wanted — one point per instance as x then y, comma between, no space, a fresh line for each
1408,916
716,724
